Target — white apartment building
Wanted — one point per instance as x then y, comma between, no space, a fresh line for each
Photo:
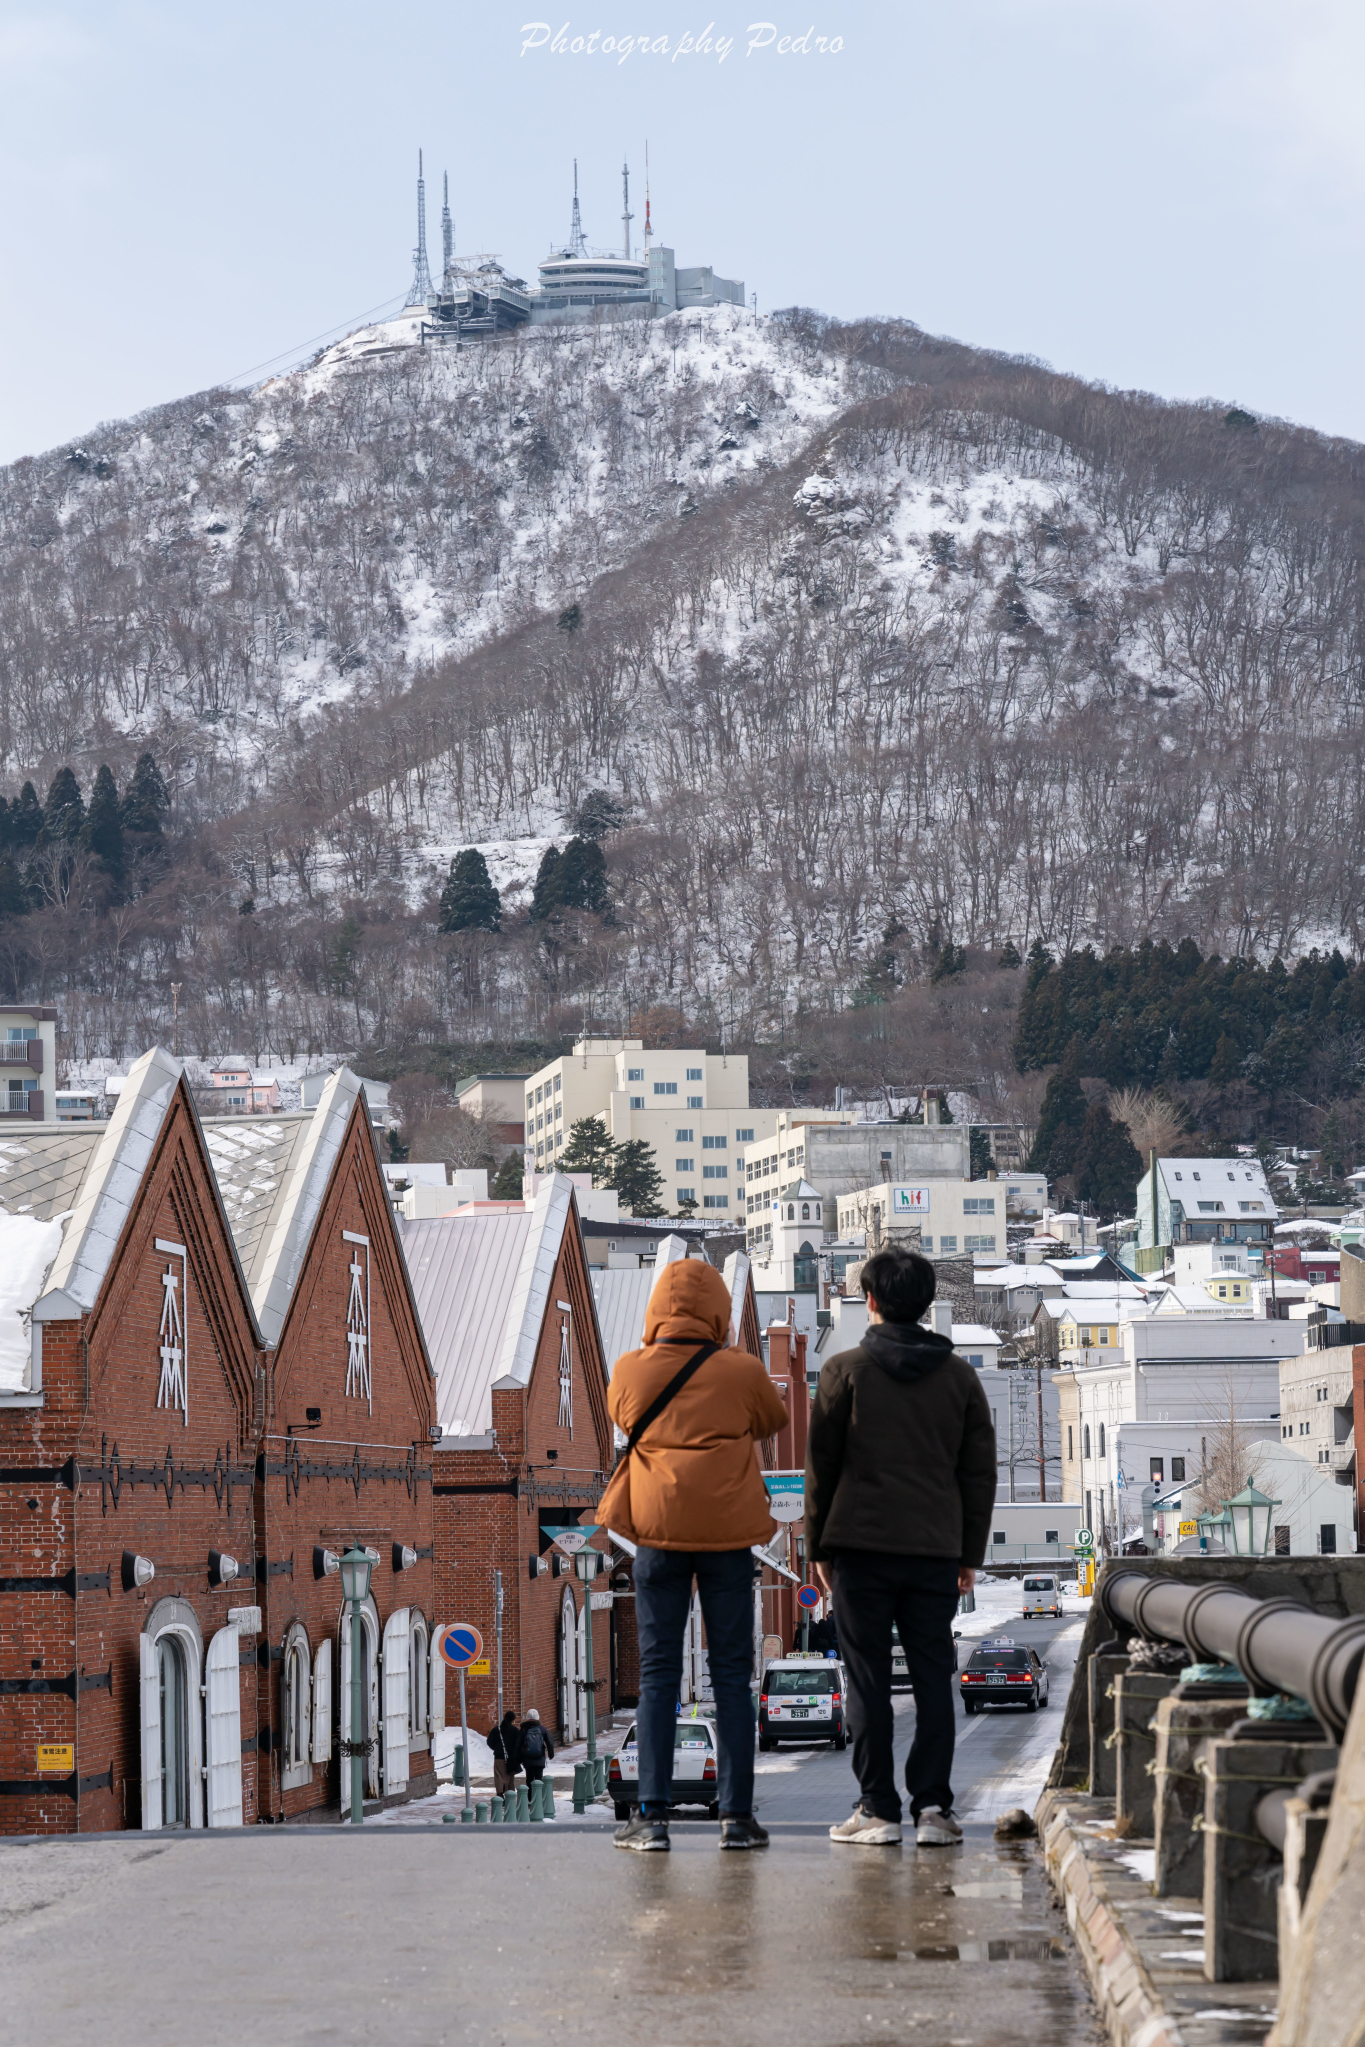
1317,1404
28,1061
954,1217
1144,1411
690,1108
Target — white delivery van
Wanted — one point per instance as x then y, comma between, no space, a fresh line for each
1042,1593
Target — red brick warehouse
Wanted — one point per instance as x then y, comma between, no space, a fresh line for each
344,1453
526,1440
130,1369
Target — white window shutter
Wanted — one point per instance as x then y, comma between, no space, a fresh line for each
223,1724
150,1687
344,1706
437,1692
396,1701
322,1702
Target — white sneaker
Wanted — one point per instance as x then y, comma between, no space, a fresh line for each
865,1830
937,1829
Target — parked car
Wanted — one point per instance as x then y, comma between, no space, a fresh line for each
900,1674
803,1698
1001,1673
694,1768
1042,1594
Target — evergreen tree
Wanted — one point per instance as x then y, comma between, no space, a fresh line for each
545,895
1061,1119
589,1150
102,832
952,960
582,877
1106,1166
146,801
26,819
1009,957
64,811
599,814
883,973
14,897
507,1180
636,1178
469,901
982,1161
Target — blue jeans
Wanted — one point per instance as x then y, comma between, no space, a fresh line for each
663,1594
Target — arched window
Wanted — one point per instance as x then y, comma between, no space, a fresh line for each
173,1687
296,1693
817,1211
1101,1439
791,1211
805,1211
369,1694
417,1680
1085,1440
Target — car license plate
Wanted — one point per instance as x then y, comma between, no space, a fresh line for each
995,1680
799,1712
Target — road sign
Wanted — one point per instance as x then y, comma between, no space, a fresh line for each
56,1758
461,1645
573,1538
1084,1539
808,1596
483,1668
786,1494
772,1648
1189,1528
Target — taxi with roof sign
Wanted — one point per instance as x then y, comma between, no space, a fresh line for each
1003,1672
803,1698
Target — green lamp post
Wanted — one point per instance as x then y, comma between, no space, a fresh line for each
585,1564
355,1584
1248,1514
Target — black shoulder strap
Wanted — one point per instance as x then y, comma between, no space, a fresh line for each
674,1386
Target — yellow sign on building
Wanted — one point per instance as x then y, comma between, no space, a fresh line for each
1189,1528
56,1758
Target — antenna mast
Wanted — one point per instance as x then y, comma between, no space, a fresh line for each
420,289
447,231
648,229
576,238
626,215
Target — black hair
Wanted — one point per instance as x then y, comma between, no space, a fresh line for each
902,1283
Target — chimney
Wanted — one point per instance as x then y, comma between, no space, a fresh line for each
941,1318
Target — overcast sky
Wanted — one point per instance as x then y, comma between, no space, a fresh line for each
1156,194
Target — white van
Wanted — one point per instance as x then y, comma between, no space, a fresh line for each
1042,1594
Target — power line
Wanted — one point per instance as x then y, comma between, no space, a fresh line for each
341,326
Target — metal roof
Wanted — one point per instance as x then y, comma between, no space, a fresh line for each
622,1298
251,1161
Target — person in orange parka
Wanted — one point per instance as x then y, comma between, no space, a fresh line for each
689,1492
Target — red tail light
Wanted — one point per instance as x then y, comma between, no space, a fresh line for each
708,1773
836,1699
614,1767
1018,1677
763,1698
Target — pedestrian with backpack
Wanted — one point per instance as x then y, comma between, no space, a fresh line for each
687,1490
900,1487
537,1749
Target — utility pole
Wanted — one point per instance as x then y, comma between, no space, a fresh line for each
1042,1447
497,1631
176,986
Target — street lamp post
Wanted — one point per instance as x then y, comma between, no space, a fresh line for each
585,1563
355,1584
1248,1513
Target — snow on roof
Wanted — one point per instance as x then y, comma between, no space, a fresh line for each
28,1245
1227,1180
974,1332
112,1179
482,1282
273,1176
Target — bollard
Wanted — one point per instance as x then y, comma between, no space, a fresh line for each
523,1803
1137,1694
1105,1666
458,1777
450,1819
580,1786
481,1812
599,1789
1184,1723
495,1811
547,1799
533,1798
466,1816
509,1805
1241,1868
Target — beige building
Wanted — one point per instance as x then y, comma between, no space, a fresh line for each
954,1217
690,1108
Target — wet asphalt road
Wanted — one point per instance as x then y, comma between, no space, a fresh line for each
1002,1755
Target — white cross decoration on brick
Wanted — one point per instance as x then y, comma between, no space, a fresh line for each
358,1382
173,1386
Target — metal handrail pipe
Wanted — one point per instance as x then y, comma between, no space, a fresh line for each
1278,1645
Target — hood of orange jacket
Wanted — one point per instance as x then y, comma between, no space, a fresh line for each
690,1304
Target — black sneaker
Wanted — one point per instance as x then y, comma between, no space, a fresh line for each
741,1830
642,1834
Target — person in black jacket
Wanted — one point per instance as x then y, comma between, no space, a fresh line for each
537,1749
900,1484
505,1742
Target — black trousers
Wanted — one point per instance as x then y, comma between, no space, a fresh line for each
873,1589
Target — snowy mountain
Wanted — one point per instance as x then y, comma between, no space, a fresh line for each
882,643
